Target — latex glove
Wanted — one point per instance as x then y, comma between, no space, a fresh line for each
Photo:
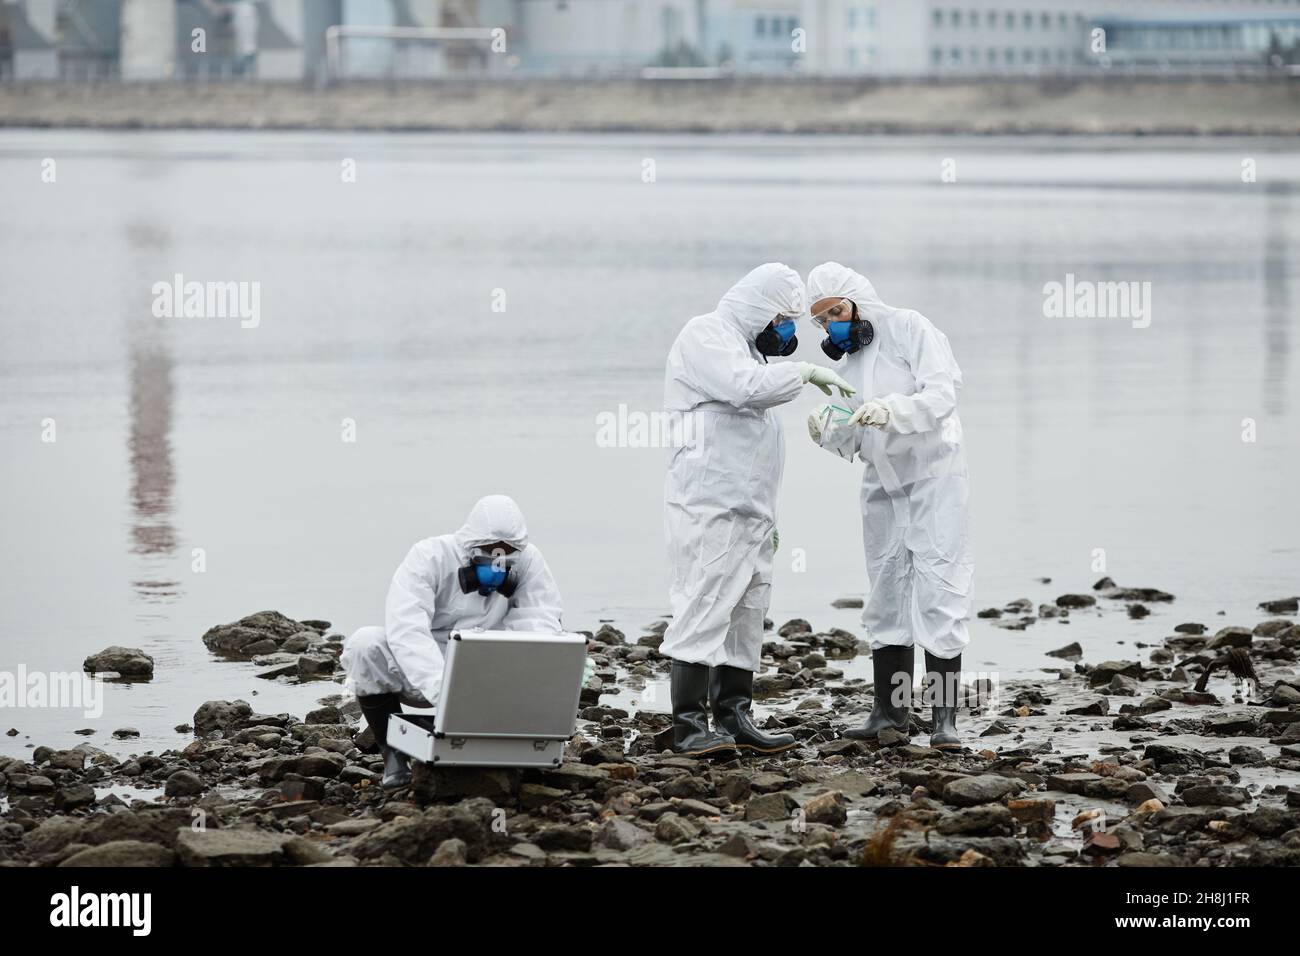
588,671
824,378
873,413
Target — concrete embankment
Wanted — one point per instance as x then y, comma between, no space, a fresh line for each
1111,106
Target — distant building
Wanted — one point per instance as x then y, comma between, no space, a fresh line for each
316,40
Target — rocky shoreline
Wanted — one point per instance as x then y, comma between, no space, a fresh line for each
1100,105
1120,763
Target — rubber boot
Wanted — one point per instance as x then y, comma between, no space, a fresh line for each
691,734
942,678
731,692
377,708
890,666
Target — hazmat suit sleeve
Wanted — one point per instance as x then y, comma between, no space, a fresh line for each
723,370
408,615
938,381
536,605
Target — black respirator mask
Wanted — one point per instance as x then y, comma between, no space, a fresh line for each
845,334
778,339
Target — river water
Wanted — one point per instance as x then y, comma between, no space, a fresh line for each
469,307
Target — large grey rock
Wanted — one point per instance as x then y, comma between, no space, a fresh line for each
241,847
986,788
127,661
220,715
235,639
122,853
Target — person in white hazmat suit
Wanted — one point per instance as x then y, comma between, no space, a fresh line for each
915,523
720,503
487,574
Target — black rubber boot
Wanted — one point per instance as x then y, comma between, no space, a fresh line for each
890,667
942,678
731,692
691,734
377,708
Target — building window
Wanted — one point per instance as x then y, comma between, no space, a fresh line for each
956,57
1011,20
936,56
938,18
974,19
1009,56
1045,21
759,24
956,19
1028,21
1063,21
853,18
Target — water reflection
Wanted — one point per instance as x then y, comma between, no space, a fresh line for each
1277,314
149,445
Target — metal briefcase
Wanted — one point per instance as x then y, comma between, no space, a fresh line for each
508,699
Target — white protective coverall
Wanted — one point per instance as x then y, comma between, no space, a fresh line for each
722,484
915,523
425,603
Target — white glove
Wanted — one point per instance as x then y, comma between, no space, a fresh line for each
824,378
588,671
823,417
873,413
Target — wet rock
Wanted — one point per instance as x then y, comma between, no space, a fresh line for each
122,853
986,820
620,834
1105,671
450,852
413,839
674,829
794,627
1215,795
1149,595
1138,611
1070,652
1190,628
828,808
847,602
235,847
316,665
233,639
1122,686
220,715
1104,584
989,613
1075,600
769,807
1142,791
1230,637
1289,605
126,733
971,791
565,839
1098,708
184,783
74,797
127,661
1230,725
1247,757
1072,782
608,634
499,785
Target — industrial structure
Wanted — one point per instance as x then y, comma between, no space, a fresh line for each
317,41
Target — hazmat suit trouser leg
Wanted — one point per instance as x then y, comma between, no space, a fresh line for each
369,664
718,616
911,601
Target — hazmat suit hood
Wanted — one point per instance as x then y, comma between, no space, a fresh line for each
832,279
494,518
770,290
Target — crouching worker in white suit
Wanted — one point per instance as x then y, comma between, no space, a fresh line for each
915,523
720,503
485,575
